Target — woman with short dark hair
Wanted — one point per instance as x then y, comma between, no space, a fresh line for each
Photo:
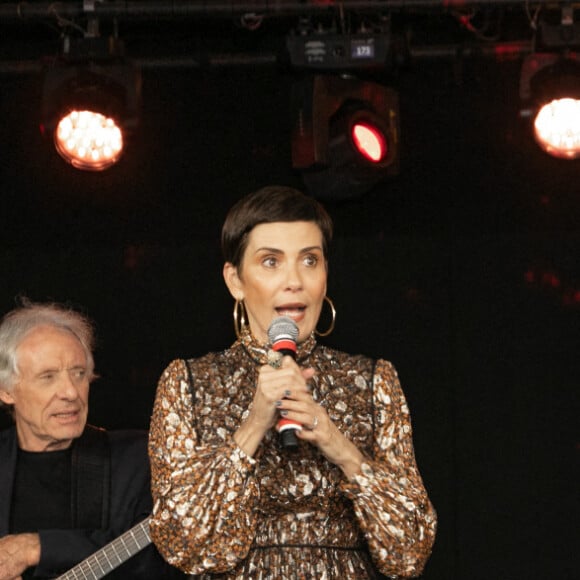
345,500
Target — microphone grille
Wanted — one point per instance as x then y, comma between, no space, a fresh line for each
283,327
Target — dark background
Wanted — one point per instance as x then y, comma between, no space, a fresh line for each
463,270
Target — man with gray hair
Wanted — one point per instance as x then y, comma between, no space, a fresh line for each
66,488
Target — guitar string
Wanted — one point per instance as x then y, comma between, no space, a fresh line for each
141,538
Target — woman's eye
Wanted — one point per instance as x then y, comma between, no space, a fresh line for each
311,260
270,261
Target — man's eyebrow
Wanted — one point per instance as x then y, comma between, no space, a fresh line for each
47,370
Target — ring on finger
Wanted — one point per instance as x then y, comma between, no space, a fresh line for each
314,423
275,358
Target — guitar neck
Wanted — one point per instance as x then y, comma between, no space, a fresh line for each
112,555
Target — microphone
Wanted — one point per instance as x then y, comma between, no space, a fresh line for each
283,334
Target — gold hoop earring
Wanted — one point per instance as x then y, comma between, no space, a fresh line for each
331,327
240,321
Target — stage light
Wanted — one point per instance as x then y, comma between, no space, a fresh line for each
89,140
550,87
346,135
370,141
90,103
557,128
550,90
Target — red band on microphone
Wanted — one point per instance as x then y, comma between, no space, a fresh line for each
284,344
285,424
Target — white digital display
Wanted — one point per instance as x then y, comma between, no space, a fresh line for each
362,49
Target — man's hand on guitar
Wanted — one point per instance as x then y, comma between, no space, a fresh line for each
18,552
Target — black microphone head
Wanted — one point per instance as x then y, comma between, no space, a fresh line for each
282,328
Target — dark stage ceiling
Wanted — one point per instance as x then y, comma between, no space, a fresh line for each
201,33
216,121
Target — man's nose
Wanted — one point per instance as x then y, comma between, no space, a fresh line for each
68,387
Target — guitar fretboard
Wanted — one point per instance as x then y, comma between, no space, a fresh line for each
112,555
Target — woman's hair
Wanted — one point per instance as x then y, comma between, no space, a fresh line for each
18,323
274,203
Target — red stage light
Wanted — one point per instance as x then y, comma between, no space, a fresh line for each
370,142
346,135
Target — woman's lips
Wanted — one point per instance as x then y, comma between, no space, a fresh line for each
294,312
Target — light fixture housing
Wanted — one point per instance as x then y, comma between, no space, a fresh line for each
550,86
345,138
332,51
91,101
550,93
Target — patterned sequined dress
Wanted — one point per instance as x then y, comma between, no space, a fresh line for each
285,514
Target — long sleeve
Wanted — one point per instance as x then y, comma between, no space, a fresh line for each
218,511
204,494
390,500
130,503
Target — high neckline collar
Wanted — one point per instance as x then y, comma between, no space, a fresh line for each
259,352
